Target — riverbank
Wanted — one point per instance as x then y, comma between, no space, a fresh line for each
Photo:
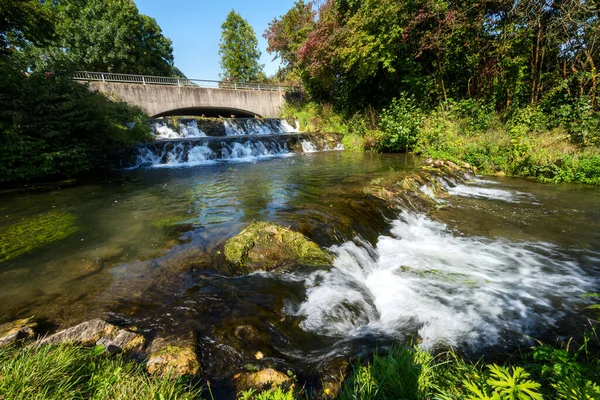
196,309
527,143
564,371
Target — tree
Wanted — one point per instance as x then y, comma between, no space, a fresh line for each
238,49
103,35
24,21
286,34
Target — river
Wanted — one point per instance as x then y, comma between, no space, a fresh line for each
503,260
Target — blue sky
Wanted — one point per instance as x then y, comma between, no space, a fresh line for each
194,26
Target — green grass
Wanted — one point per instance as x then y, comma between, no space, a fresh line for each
561,372
74,372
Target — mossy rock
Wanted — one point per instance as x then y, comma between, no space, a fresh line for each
267,246
265,379
422,190
172,358
34,232
16,331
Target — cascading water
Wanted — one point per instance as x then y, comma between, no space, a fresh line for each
189,154
425,280
309,147
252,126
187,129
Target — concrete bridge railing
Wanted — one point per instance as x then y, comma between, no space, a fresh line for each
174,81
162,96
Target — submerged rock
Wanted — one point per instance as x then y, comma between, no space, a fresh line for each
22,329
172,358
266,246
265,379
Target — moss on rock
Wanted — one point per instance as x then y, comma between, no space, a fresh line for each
266,246
172,358
422,190
15,331
35,232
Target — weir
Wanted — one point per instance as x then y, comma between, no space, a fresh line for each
188,142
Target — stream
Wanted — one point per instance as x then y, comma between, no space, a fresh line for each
504,260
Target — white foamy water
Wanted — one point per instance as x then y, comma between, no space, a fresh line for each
478,192
448,289
309,147
253,126
187,129
190,155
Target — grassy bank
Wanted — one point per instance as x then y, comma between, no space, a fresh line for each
74,372
565,371
551,145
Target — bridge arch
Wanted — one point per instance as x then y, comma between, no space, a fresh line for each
210,112
162,100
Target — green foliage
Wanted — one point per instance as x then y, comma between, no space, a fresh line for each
53,127
24,21
238,49
572,374
401,374
286,35
546,372
73,372
33,232
357,53
506,383
270,394
102,35
400,124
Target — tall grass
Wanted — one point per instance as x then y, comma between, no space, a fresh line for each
550,372
74,372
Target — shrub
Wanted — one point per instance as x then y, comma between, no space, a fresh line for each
400,124
52,127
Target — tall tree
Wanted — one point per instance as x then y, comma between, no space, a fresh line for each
104,35
23,22
238,49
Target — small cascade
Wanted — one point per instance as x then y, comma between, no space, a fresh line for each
187,129
190,154
253,126
209,150
308,146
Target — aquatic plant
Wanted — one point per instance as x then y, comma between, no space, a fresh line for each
34,232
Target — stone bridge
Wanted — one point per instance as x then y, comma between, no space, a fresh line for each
163,96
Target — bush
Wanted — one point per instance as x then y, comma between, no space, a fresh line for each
400,124
52,127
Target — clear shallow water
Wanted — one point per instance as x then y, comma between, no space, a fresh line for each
504,258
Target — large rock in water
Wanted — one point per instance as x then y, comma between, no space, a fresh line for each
266,246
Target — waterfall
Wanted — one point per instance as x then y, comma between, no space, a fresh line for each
209,150
187,129
253,126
